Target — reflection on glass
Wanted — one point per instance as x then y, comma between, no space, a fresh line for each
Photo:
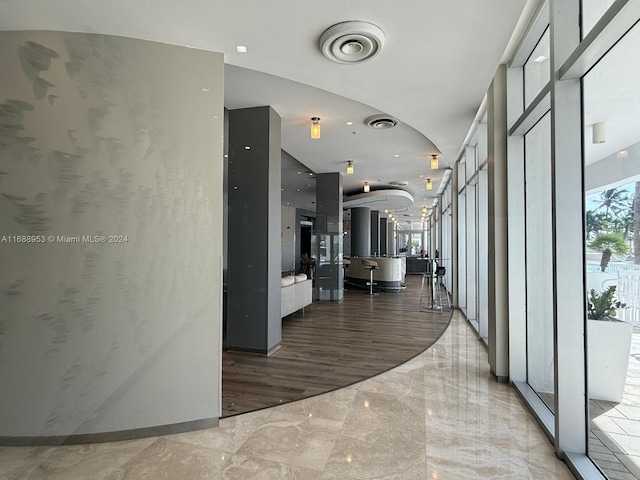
537,70
612,175
539,260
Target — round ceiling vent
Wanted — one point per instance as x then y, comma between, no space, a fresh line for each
351,42
381,122
398,183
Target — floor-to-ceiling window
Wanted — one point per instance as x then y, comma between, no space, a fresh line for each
574,161
611,126
539,260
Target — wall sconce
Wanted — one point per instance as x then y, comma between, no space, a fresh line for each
350,167
429,184
599,133
315,127
434,162
367,188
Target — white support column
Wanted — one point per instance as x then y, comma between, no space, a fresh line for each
568,238
498,247
516,225
455,277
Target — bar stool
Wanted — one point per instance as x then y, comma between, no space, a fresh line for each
346,263
371,266
440,273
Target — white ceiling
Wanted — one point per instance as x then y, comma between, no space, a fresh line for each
436,65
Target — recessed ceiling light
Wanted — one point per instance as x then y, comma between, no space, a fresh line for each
540,59
282,189
299,173
349,123
205,89
241,49
396,156
247,147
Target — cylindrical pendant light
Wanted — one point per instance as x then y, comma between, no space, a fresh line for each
434,162
350,168
367,188
429,184
315,127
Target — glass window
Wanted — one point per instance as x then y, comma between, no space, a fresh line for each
536,70
539,260
612,182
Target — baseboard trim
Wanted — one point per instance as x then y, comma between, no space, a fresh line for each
103,437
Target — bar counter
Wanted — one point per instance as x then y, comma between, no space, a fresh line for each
389,276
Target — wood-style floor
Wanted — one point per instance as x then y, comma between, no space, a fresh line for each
333,345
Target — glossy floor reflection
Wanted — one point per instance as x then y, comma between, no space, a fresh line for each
438,416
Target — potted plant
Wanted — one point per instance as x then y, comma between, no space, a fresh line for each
608,346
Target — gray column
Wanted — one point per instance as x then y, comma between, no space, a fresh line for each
375,232
391,239
361,231
253,301
383,236
498,265
329,238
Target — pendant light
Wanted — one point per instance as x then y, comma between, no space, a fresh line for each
367,188
350,168
434,162
429,184
315,127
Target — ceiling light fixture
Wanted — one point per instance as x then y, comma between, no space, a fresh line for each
241,49
315,127
367,187
434,162
429,184
350,167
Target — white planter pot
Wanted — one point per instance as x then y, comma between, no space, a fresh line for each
609,346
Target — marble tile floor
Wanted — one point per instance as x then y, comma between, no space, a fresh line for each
438,416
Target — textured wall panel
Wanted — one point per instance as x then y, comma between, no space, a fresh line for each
108,137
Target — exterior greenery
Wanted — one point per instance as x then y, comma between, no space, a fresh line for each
603,305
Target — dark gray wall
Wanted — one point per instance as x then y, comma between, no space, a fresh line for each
375,232
329,228
383,236
254,252
361,231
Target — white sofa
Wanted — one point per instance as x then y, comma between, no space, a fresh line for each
295,293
